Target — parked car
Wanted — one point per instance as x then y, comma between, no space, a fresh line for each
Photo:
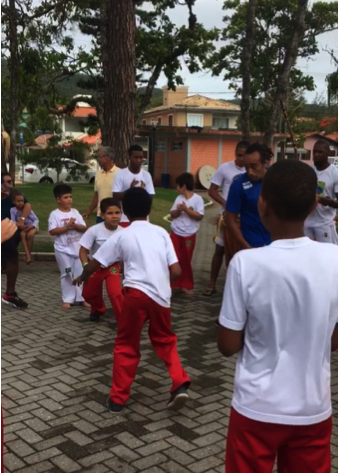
30,173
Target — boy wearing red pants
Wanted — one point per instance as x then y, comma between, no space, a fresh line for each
90,242
187,212
280,310
150,264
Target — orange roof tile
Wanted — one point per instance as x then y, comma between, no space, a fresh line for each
197,102
91,139
84,112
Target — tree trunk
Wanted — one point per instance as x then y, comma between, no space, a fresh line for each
14,85
119,77
298,28
246,71
3,157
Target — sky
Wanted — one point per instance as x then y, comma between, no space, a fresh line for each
210,13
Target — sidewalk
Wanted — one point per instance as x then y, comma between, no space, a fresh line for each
56,376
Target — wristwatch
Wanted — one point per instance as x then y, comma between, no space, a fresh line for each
22,218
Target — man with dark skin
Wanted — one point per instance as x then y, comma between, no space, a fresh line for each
224,241
243,200
9,252
320,225
132,176
104,180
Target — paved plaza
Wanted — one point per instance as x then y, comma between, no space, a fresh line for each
56,376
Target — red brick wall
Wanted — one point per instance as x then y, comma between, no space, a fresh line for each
228,150
203,151
176,160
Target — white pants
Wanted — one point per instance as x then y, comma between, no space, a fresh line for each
70,268
325,234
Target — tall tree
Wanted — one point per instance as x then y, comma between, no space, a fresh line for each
332,81
246,70
272,36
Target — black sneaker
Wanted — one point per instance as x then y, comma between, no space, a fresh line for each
14,301
217,323
94,318
178,398
114,407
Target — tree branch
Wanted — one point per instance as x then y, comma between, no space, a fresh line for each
71,106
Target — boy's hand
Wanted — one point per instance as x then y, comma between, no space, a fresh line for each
78,281
71,223
134,183
183,207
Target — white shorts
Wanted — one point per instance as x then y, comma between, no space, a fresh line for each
325,234
219,239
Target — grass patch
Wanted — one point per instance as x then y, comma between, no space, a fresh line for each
42,200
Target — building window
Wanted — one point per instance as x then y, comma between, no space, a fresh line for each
220,122
159,121
195,119
170,120
306,156
160,146
177,145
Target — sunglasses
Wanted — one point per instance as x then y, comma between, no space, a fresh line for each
8,182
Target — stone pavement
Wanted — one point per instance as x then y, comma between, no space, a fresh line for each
56,375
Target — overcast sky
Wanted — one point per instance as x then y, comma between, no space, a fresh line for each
210,13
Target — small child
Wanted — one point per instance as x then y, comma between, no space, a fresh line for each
150,263
187,211
280,311
90,242
31,224
67,225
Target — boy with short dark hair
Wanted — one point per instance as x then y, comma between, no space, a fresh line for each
90,242
280,311
187,212
150,264
66,225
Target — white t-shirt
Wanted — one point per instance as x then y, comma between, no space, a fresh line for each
224,177
124,178
147,252
327,187
184,225
68,243
96,236
285,296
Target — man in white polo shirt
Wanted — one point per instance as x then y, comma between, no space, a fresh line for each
104,180
320,225
223,178
280,311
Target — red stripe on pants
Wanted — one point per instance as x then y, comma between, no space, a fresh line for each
137,309
253,446
124,224
92,291
184,248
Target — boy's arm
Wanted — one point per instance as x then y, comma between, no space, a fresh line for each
175,212
94,205
215,194
175,272
83,255
233,314
60,230
233,209
80,227
233,225
89,269
192,213
172,259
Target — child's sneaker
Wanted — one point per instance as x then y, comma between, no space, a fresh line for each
14,301
94,318
178,398
114,407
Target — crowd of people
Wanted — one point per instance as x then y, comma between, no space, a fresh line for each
280,303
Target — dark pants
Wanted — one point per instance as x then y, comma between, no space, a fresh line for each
9,249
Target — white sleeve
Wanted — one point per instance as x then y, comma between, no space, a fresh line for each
170,251
88,238
118,183
335,183
110,251
53,222
79,218
149,184
233,314
218,177
176,202
200,206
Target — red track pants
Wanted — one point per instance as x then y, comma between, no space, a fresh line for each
92,291
184,247
253,446
124,224
137,309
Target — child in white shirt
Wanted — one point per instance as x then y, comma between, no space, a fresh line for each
67,225
90,242
280,311
187,212
150,263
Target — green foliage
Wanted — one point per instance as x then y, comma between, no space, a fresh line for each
271,36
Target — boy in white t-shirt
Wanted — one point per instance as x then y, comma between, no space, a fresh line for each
187,212
320,224
150,265
67,225
132,176
280,311
90,242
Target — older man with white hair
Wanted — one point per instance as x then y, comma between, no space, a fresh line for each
104,179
